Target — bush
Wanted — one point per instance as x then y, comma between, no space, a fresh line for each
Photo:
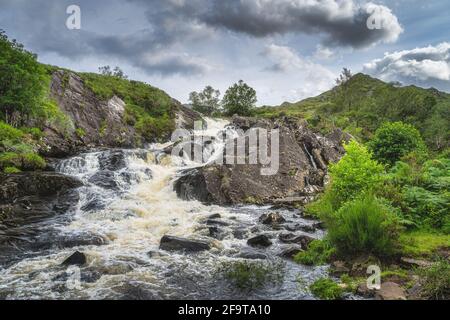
364,225
249,275
354,174
326,289
394,140
319,252
436,281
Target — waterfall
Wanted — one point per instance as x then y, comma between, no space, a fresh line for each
311,158
128,201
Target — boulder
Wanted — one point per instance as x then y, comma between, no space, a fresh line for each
259,241
302,240
290,251
251,255
170,243
272,218
390,291
299,178
339,267
76,259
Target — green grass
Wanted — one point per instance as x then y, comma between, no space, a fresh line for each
326,289
319,252
436,281
423,244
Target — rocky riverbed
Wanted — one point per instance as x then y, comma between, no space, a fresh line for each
122,220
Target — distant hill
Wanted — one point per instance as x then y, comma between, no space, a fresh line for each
363,103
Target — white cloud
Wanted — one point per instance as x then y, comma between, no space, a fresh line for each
427,66
300,77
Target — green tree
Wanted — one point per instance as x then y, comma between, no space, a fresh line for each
394,140
206,102
239,99
356,172
22,82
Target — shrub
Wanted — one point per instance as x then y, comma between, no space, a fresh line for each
394,140
430,209
326,289
239,99
319,252
80,133
249,275
355,173
364,225
436,281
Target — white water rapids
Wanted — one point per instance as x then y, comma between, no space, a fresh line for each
130,218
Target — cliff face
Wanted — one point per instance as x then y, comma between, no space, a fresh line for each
94,122
303,159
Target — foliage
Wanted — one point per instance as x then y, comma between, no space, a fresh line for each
9,133
319,252
364,225
239,99
394,140
23,82
80,133
206,102
326,289
355,173
249,275
436,280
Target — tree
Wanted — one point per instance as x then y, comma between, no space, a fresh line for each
116,72
394,140
239,99
22,82
206,102
344,77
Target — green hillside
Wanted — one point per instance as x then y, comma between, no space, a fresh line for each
363,103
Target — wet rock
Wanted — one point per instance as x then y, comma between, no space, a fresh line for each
272,218
156,254
259,241
39,184
113,160
339,267
365,292
251,255
215,216
240,233
170,243
390,291
303,240
105,180
212,222
76,259
192,186
290,251
216,233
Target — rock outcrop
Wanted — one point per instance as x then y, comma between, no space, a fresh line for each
303,159
95,122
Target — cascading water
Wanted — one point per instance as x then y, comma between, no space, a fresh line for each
128,202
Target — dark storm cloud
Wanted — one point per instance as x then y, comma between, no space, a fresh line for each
176,26
342,22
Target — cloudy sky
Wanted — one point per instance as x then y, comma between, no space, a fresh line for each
286,49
